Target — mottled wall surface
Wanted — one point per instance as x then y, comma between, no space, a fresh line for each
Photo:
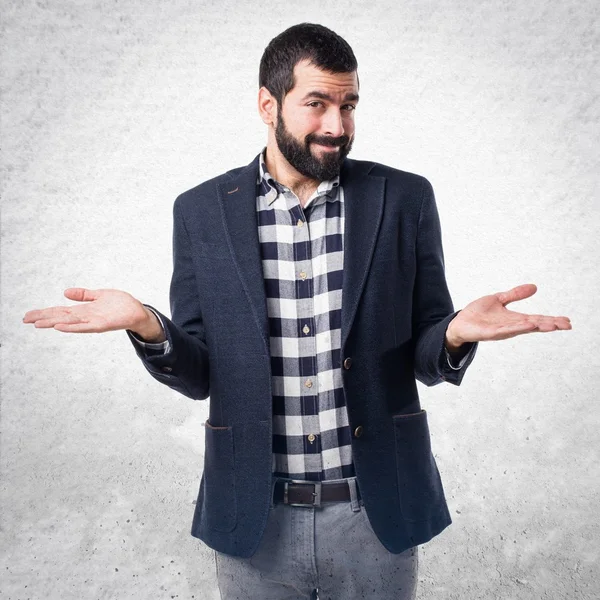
111,109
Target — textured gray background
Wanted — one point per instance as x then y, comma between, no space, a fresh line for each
111,109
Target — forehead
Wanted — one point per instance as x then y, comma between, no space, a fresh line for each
307,77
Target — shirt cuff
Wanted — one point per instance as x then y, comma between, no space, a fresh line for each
452,364
153,347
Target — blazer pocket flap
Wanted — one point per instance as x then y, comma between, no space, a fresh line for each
220,502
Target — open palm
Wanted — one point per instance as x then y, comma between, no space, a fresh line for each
100,311
487,318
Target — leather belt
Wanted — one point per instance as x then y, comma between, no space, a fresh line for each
310,493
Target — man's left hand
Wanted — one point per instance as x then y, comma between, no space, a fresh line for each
487,319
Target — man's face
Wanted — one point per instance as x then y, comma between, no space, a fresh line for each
315,127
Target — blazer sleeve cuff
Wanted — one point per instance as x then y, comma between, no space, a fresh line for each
451,371
150,348
156,360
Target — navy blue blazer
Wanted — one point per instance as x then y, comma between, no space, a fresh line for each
395,310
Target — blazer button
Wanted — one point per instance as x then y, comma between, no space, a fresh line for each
358,431
167,369
347,363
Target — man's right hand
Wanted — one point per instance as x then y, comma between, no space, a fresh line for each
103,310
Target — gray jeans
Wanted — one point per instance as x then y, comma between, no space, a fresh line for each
329,552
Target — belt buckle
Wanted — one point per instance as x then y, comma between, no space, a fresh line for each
316,494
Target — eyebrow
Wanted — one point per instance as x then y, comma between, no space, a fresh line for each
321,95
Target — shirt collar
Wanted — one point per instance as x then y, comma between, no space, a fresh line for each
270,188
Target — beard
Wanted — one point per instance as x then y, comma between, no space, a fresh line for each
302,159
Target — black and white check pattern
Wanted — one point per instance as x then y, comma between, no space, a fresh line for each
302,257
302,251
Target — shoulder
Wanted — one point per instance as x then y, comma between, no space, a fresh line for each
397,179
207,190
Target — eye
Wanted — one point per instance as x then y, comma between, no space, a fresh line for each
314,102
351,107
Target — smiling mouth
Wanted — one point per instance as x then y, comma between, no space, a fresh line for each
328,148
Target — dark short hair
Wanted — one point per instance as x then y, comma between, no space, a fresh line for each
324,48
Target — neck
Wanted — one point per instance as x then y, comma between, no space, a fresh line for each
281,170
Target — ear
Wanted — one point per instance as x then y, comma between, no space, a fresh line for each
267,106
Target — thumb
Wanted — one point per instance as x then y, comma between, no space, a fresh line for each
81,294
517,293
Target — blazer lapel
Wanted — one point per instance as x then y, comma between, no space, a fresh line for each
238,207
363,210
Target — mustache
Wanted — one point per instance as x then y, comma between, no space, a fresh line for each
328,141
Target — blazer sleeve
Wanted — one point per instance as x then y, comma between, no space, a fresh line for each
432,305
183,364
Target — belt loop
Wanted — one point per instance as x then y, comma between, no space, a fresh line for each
353,494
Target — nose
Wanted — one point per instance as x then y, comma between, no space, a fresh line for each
333,124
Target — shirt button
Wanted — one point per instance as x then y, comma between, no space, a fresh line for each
311,438
308,383
347,363
358,431
302,274
300,222
306,329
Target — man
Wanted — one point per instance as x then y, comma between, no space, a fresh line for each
308,295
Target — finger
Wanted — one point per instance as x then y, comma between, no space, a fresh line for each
503,332
61,319
35,315
52,312
519,328
522,327
75,328
546,323
44,323
81,294
78,294
30,316
561,322
517,293
45,313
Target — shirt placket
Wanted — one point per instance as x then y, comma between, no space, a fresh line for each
307,361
